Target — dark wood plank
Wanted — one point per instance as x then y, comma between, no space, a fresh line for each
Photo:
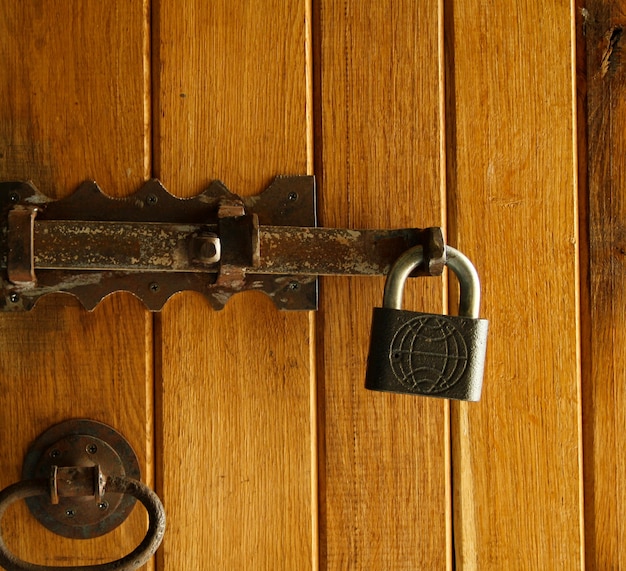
601,28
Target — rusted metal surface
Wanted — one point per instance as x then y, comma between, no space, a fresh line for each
217,243
20,248
331,251
77,481
132,246
297,250
77,456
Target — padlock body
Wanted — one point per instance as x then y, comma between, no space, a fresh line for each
426,354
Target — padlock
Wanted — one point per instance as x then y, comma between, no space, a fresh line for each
427,354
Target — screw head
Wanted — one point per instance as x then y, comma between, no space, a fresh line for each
55,453
103,506
154,287
91,448
293,286
152,199
14,298
293,196
14,197
70,513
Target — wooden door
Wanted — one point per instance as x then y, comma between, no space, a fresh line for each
253,424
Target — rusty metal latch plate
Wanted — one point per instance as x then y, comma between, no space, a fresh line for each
217,243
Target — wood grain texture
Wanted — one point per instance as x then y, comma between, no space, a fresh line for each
72,107
512,210
236,428
384,461
604,386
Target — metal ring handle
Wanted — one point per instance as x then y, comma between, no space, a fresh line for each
116,484
459,263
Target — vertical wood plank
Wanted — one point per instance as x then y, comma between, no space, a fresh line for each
236,435
72,107
384,467
604,386
513,210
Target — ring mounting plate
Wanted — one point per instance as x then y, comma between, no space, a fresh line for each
81,443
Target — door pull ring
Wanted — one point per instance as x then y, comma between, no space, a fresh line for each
114,484
81,479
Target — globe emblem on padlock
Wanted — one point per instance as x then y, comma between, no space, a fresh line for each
428,354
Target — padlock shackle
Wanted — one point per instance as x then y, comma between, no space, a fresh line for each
469,282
